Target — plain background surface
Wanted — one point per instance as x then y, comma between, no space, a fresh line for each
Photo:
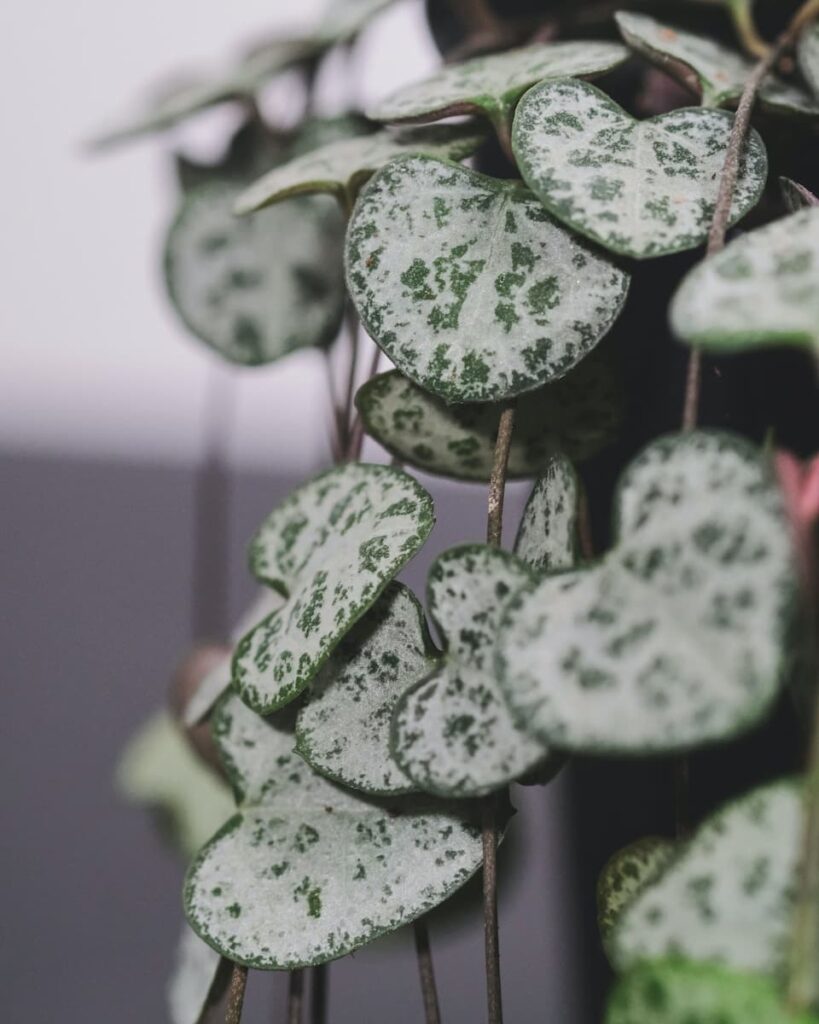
101,417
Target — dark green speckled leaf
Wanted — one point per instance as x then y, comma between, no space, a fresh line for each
547,536
710,70
578,414
344,729
452,733
625,875
728,895
469,286
679,636
640,188
256,289
760,290
676,992
305,871
330,548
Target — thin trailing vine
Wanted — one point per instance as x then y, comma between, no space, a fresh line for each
236,994
295,997
426,972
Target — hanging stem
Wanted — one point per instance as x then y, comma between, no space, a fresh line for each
497,481
356,441
318,1003
236,994
295,996
752,41
349,394
426,970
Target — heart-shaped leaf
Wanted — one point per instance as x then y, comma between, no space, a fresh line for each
547,536
578,414
677,992
241,290
452,733
305,871
760,290
796,196
678,636
491,86
159,770
196,981
467,284
340,168
625,875
807,52
728,896
640,188
710,70
344,729
330,548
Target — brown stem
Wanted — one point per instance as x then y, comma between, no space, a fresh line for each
356,441
497,481
318,1002
426,971
236,994
489,840
728,180
349,392
295,996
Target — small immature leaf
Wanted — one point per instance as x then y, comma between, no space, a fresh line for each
710,70
625,875
340,168
195,977
491,86
330,549
728,896
578,414
547,536
677,992
159,770
760,290
305,871
344,729
678,637
468,285
796,196
452,733
239,288
640,188
807,52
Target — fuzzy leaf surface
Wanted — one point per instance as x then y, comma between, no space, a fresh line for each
760,290
468,285
639,188
305,871
547,535
678,637
344,729
330,548
578,414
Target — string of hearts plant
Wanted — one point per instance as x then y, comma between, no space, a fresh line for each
334,774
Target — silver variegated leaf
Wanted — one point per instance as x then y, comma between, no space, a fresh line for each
578,414
678,637
340,168
678,992
491,86
194,982
640,188
728,895
469,286
160,771
710,70
305,871
547,535
330,548
256,289
625,875
807,52
344,729
760,290
452,733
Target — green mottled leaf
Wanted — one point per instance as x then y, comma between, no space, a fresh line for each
640,188
344,729
547,536
710,70
676,992
159,770
796,196
452,733
467,284
330,549
760,290
578,414
807,52
491,86
625,875
196,980
340,168
678,636
305,871
728,896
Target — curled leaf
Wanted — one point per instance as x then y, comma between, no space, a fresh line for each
547,536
